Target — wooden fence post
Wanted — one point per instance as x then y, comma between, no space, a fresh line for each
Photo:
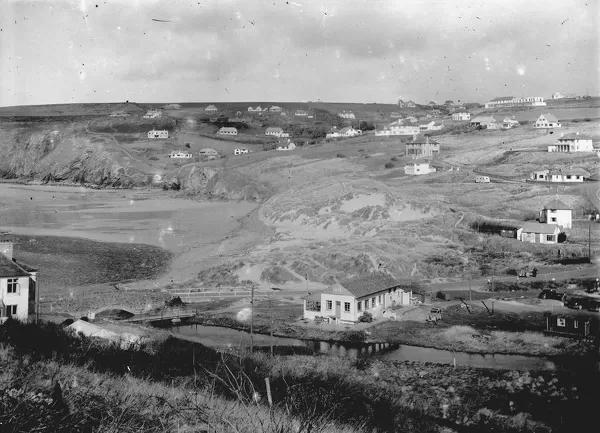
269,391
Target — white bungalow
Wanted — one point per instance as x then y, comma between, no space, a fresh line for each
276,131
152,114
289,146
180,155
240,151
537,233
211,109
461,116
345,302
418,168
226,130
158,134
347,115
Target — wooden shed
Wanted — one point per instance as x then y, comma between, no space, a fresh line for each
568,326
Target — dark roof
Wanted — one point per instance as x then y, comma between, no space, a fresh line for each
574,136
369,283
549,117
421,139
556,204
9,269
547,229
502,98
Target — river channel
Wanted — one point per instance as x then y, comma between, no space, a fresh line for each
223,338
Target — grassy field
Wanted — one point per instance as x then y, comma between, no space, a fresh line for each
53,381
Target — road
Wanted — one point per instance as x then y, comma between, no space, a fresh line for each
589,272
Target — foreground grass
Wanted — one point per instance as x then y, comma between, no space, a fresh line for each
51,381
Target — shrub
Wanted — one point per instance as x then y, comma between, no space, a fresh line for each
393,158
174,302
389,165
366,317
340,155
153,158
443,296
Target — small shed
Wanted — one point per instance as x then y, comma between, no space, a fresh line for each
569,326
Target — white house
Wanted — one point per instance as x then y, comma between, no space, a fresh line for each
158,134
240,151
573,142
537,233
556,212
225,130
276,131
211,109
461,116
289,146
376,293
349,131
347,115
398,130
17,284
509,122
301,113
418,168
488,122
546,121
180,155
152,113
411,119
511,101
422,146
567,175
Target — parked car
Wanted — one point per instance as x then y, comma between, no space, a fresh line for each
552,294
592,304
576,303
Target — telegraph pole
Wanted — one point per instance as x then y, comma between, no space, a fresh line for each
271,310
252,320
37,298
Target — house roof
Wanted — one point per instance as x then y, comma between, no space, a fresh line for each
556,204
274,129
369,283
421,139
484,119
571,171
545,229
549,117
574,136
10,269
228,128
502,98
346,129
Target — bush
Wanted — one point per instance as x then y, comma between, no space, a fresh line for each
389,165
393,158
366,317
174,302
340,155
153,158
443,296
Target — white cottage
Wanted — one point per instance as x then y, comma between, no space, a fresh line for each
537,233
556,212
345,302
17,284
546,121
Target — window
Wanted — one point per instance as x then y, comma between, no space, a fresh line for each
549,238
366,304
11,310
347,307
329,305
11,285
379,300
560,322
575,324
373,304
359,305
313,306
568,176
553,219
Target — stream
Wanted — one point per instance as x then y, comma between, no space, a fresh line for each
224,338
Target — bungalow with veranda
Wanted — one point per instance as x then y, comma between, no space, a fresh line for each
158,134
225,130
556,212
572,143
17,284
537,233
211,109
346,301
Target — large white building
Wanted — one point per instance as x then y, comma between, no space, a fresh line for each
158,134
511,101
418,168
347,115
17,284
461,116
573,142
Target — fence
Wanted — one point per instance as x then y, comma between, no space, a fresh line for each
195,295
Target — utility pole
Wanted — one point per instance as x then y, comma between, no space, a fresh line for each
252,320
271,310
590,239
37,298
470,299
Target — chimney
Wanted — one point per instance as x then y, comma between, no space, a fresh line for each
6,245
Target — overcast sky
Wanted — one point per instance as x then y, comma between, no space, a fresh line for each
65,51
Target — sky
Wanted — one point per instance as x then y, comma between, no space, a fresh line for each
77,51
